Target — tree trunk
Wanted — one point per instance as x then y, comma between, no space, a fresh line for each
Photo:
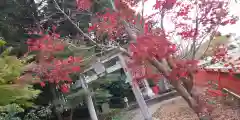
59,116
165,68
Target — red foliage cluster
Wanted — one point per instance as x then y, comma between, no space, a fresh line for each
50,68
142,71
150,45
84,4
141,51
220,55
160,48
164,4
46,43
109,21
108,24
209,15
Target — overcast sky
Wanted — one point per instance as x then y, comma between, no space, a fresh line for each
234,9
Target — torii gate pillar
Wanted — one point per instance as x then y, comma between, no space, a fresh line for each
136,90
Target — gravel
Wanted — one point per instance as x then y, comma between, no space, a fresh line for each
179,109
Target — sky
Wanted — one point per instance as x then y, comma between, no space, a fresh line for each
234,9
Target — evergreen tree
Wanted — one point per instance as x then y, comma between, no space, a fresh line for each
16,17
10,89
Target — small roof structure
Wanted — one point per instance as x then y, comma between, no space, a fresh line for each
233,54
208,47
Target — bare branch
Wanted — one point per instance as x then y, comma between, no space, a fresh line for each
193,47
211,38
75,25
143,1
48,17
85,34
162,18
161,67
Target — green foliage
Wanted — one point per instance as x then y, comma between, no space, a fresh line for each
2,42
10,111
119,89
39,113
10,70
15,17
65,27
103,5
237,76
101,95
151,83
11,93
74,99
10,66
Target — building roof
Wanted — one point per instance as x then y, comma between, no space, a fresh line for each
233,54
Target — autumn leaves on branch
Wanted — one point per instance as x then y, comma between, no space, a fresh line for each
152,45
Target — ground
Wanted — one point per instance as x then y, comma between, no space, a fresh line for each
177,109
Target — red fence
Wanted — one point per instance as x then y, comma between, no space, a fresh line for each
231,83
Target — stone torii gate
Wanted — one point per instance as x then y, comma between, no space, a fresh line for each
100,69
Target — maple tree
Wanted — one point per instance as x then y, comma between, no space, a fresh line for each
194,21
147,45
154,46
50,68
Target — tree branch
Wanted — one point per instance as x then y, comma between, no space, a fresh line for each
75,25
162,19
85,34
211,38
193,48
143,14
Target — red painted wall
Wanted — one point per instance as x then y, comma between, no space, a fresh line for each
231,83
